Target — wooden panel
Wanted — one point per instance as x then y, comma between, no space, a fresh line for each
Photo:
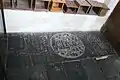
71,7
7,3
98,8
57,5
84,6
23,4
42,5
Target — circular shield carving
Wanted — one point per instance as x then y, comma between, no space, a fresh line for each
67,45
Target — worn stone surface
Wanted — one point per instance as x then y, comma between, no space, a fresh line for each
59,55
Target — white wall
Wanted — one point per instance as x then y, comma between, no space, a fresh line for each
101,20
30,21
1,24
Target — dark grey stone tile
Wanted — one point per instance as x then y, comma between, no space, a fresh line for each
14,61
38,59
67,55
113,78
13,42
28,43
98,44
75,71
3,44
110,66
2,72
32,73
85,70
92,69
56,71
